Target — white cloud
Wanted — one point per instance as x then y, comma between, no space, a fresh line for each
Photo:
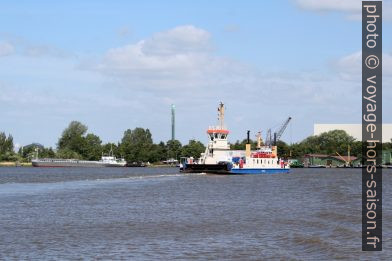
179,40
171,60
6,48
182,61
352,8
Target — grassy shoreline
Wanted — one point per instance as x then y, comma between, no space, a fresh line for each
15,164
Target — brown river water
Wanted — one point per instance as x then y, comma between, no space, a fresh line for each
160,214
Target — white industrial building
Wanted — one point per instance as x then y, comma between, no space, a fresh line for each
354,130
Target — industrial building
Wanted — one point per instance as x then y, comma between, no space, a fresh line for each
354,130
330,160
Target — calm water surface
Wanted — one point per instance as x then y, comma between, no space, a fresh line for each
159,214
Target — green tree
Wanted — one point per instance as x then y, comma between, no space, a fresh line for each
93,148
75,143
283,149
73,138
162,151
112,148
136,145
297,150
6,147
6,143
158,152
68,154
356,149
29,152
387,145
173,149
241,145
193,149
326,143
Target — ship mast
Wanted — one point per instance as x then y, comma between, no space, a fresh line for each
220,131
259,140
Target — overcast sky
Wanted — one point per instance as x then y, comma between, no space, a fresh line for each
115,65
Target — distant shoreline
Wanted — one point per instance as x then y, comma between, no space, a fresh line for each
28,164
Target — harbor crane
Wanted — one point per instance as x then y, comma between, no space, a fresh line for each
348,160
277,135
268,138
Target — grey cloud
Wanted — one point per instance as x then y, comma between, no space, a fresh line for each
351,8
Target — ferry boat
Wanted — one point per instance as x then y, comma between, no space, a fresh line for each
219,159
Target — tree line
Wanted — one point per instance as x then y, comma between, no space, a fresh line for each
327,143
137,145
75,142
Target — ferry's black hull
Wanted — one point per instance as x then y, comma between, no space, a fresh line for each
207,168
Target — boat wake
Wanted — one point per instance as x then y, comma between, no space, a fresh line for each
34,188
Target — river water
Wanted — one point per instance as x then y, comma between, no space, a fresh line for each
160,214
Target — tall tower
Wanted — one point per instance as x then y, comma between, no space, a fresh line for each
173,121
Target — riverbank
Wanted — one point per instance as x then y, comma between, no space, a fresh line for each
15,164
28,164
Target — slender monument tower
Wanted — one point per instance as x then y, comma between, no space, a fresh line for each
173,121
